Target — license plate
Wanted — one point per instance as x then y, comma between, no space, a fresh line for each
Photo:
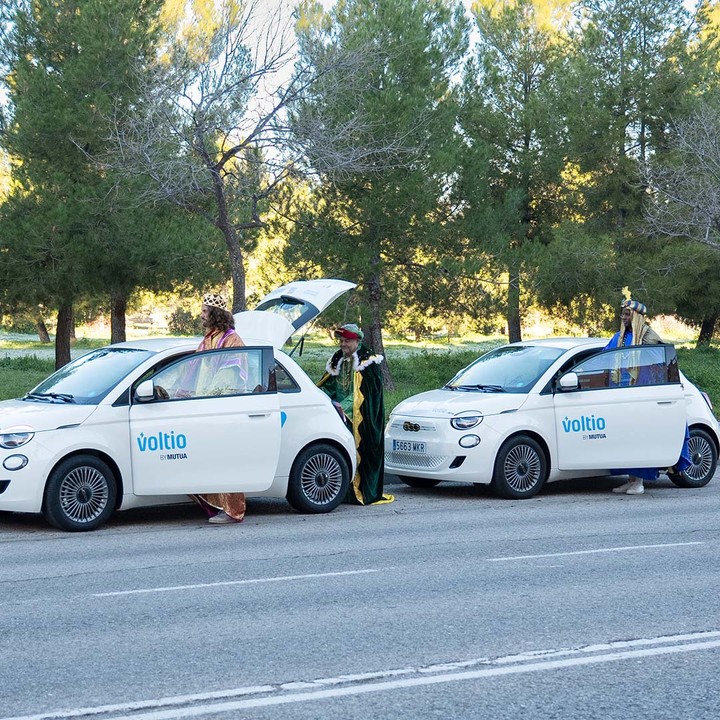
408,446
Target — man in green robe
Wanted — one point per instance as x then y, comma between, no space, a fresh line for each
353,381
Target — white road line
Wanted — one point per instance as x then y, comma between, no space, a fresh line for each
163,707
251,581
145,705
591,552
604,647
294,698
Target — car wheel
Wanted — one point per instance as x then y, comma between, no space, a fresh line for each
418,482
520,468
319,479
80,494
704,461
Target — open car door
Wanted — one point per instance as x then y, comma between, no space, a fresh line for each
622,408
211,424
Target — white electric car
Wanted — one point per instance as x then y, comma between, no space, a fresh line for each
545,410
151,421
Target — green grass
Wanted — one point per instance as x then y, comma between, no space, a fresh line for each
417,372
702,367
413,370
82,343
18,375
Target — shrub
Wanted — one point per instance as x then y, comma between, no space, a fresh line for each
27,362
184,322
20,374
702,367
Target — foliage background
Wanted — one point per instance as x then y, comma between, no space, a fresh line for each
470,165
415,370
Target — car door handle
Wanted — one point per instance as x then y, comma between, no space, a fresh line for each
666,402
259,415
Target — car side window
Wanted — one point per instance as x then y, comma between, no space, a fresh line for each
216,373
566,367
124,399
632,366
285,382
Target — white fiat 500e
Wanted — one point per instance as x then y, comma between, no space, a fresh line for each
151,421
545,410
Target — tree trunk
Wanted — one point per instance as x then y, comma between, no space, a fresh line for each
237,268
513,299
232,241
63,334
118,308
42,330
375,328
707,330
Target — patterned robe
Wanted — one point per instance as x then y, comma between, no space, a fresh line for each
362,400
232,503
647,337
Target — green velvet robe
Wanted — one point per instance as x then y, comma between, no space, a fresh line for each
368,420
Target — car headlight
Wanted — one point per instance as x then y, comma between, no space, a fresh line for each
465,422
16,437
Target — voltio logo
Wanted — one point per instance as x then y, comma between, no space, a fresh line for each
587,423
161,441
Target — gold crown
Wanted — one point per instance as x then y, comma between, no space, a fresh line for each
215,300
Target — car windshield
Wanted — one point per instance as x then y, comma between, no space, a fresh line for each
512,369
89,378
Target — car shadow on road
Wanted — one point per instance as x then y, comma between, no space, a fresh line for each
579,487
258,507
191,513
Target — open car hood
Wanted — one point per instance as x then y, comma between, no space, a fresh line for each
288,309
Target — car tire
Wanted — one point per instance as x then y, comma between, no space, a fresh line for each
704,461
414,482
80,494
521,468
319,479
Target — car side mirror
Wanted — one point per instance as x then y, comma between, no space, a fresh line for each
145,391
569,381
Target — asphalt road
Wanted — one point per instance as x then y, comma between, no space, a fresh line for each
447,603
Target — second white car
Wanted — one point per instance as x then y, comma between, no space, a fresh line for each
538,411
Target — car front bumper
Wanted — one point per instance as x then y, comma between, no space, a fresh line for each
430,448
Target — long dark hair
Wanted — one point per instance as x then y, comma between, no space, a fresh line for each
219,319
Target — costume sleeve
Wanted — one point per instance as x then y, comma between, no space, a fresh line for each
233,340
373,407
651,337
328,384
347,404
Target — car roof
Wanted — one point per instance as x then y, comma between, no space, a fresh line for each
566,343
159,344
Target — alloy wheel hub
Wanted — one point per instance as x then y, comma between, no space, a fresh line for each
84,494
